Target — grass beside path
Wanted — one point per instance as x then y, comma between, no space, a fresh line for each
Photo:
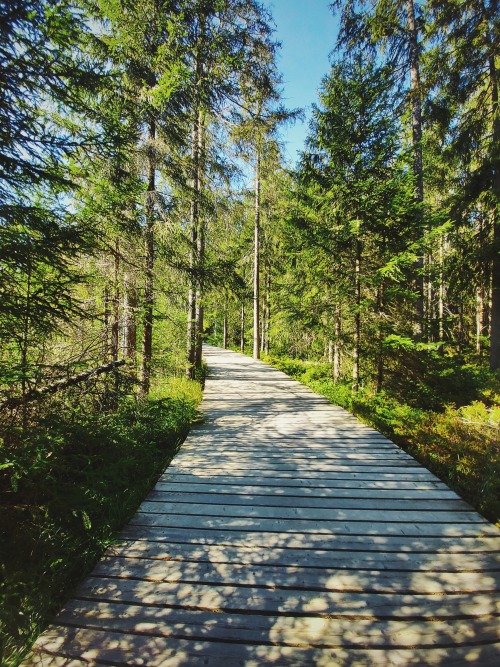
460,443
66,487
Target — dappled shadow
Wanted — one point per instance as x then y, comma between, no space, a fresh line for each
285,532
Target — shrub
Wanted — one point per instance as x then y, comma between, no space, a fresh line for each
66,487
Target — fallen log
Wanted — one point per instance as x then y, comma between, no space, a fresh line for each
35,394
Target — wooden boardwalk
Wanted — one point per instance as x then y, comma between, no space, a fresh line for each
285,532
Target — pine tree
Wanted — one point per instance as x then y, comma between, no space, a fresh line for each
47,79
393,28
352,181
462,72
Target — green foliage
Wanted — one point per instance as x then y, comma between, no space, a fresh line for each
292,367
66,488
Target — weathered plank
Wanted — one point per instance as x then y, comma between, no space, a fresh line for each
354,560
248,510
305,631
326,527
301,540
116,648
287,533
302,457
307,578
349,482
277,601
324,502
332,493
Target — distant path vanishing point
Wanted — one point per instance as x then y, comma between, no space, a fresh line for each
286,532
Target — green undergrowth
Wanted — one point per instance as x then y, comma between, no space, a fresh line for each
67,485
458,440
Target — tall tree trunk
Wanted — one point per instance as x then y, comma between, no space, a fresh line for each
25,340
147,322
194,217
115,322
429,300
267,327
495,266
479,319
107,317
357,317
256,262
195,309
418,172
224,331
441,295
242,328
380,353
199,301
336,346
200,245
130,323
460,329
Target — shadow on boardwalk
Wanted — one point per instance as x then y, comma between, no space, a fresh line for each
286,532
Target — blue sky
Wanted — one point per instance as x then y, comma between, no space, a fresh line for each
307,30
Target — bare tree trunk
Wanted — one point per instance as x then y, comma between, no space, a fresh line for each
460,331
200,245
256,262
495,266
130,323
495,298
267,329
242,329
147,323
479,319
194,216
25,342
224,330
199,325
428,305
416,129
115,323
441,294
336,347
357,317
195,308
107,317
380,354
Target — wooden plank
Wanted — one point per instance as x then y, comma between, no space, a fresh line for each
325,502
348,473
278,601
297,463
340,527
302,457
248,510
382,494
116,648
310,578
209,442
324,465
354,560
306,482
306,632
42,659
317,514
326,540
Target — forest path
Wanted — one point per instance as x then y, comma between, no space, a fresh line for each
286,532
